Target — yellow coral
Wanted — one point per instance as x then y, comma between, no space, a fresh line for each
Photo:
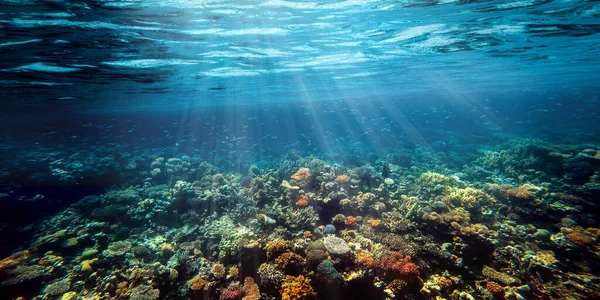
197,283
296,288
467,198
234,273
167,248
86,266
69,296
375,223
218,270
432,178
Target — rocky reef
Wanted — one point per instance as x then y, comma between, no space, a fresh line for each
516,222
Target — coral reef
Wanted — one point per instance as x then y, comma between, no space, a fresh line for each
516,223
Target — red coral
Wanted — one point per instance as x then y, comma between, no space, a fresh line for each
233,292
396,265
581,238
409,269
494,288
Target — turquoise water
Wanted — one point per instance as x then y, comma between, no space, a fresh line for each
380,149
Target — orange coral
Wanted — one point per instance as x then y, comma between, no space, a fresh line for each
296,288
276,247
494,288
374,223
308,235
122,289
342,179
364,259
350,221
251,290
302,201
303,176
444,282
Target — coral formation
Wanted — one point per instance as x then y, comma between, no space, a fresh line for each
296,288
387,229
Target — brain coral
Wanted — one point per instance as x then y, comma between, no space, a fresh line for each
335,245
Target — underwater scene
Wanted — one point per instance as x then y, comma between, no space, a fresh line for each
283,149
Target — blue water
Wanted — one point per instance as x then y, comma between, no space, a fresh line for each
237,83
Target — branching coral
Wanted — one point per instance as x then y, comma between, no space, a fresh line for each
432,184
300,218
467,198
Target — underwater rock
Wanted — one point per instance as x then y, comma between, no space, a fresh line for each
88,254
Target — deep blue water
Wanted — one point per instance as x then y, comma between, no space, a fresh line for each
523,66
